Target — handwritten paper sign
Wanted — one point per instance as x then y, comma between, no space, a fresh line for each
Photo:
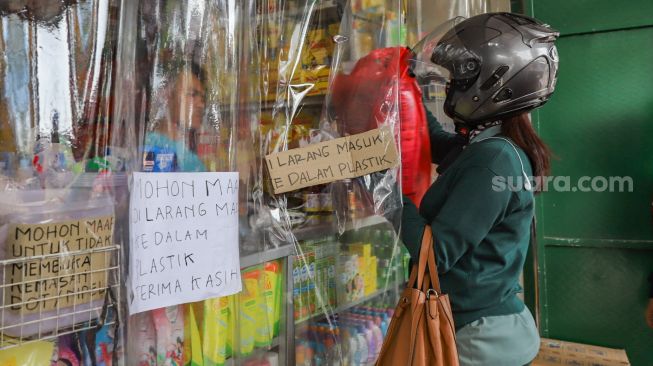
183,238
329,161
43,281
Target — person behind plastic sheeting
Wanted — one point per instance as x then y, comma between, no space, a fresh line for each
498,67
170,144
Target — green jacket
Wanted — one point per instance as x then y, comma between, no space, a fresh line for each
481,231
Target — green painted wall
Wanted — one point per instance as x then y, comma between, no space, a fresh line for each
580,16
596,249
596,296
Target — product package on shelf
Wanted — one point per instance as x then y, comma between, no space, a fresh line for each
63,188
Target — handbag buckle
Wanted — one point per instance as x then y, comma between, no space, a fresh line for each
428,294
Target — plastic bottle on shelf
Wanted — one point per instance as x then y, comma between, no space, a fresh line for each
377,320
300,355
318,355
363,344
328,346
377,337
349,346
26,176
318,346
310,355
383,323
334,351
358,345
390,312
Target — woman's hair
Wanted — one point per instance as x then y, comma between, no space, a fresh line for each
520,130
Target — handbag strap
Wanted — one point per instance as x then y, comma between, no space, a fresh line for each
431,282
426,262
427,244
432,266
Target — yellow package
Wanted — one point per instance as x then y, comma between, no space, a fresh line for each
195,342
216,329
362,250
31,354
272,292
249,313
371,275
333,29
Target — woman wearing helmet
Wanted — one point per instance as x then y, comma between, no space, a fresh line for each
498,67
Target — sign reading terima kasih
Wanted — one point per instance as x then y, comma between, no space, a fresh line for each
183,238
330,161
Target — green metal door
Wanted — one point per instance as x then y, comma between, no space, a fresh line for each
595,249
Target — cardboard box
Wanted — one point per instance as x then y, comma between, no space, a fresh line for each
555,352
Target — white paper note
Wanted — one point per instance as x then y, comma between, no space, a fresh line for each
183,238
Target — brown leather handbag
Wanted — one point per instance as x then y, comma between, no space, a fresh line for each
421,331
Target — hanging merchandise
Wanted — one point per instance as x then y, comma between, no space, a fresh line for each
375,77
62,184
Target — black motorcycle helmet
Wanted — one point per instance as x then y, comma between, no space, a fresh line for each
497,65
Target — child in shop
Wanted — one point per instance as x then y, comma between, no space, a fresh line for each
170,140
481,229
170,146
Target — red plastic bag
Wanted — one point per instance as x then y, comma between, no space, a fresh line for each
365,99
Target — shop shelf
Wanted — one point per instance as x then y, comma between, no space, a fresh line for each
256,354
321,6
316,231
266,256
364,222
315,100
344,307
89,180
307,233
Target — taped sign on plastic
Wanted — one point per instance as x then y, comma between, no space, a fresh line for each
325,162
183,238
60,264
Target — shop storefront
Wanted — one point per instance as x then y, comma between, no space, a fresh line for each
209,182
102,96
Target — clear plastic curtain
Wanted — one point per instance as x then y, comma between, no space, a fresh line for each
216,86
178,100
62,184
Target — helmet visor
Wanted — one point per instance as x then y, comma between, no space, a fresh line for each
444,52
422,64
